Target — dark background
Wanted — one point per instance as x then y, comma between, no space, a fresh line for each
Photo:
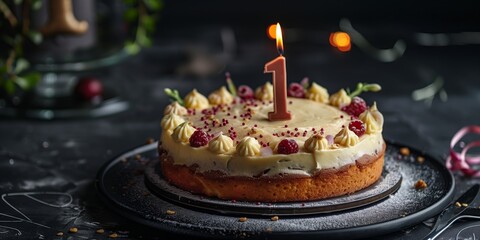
64,155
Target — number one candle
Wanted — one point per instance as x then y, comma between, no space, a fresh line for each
279,74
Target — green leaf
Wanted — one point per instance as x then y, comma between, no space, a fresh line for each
131,14
9,40
21,82
10,87
35,36
364,87
31,80
21,65
132,48
142,38
36,4
174,95
3,68
231,86
154,5
148,23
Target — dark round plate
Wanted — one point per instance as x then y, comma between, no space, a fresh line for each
120,182
389,182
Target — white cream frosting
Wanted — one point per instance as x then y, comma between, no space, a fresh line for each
183,132
221,144
265,92
195,100
316,143
220,96
248,147
171,121
346,138
377,115
340,99
317,93
371,124
307,116
175,108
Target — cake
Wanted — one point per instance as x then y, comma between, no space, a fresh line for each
224,146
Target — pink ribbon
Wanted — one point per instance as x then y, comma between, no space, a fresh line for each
460,160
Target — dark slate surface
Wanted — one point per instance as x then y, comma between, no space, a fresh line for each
62,157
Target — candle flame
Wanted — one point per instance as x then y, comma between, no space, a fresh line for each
279,38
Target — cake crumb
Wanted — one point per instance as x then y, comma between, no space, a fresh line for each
170,212
420,184
150,140
113,235
420,159
73,230
100,231
405,151
457,204
242,219
59,233
274,218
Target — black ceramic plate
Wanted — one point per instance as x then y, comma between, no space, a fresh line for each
389,182
120,182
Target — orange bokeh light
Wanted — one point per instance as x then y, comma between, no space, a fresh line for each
272,31
340,40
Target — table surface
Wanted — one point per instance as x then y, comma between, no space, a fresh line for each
63,156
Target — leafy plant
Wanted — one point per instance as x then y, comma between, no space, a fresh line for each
144,13
14,72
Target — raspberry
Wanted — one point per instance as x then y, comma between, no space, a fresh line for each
199,138
296,90
357,127
89,88
356,107
287,146
245,92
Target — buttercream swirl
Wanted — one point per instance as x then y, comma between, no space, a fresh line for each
346,138
317,93
183,132
171,121
220,96
195,100
248,146
315,143
377,114
340,99
371,124
265,92
175,108
221,144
